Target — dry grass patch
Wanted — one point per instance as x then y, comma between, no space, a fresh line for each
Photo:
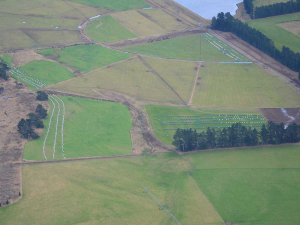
293,27
138,24
130,77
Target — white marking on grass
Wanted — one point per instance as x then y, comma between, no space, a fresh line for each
57,119
49,125
161,206
62,126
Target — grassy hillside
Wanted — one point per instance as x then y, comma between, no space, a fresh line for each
134,78
117,5
182,48
258,3
47,72
91,128
85,57
246,85
280,36
110,192
107,29
257,186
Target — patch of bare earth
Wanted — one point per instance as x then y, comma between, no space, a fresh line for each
284,115
19,104
293,27
21,58
241,13
142,136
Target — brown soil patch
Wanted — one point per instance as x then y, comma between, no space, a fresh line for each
24,57
20,102
293,27
241,13
141,133
284,115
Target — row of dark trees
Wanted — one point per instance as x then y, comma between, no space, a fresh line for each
226,22
236,136
3,70
26,127
271,10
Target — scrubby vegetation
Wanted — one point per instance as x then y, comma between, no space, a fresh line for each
26,127
3,69
42,96
236,136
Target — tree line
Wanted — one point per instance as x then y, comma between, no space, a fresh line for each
271,10
3,70
236,136
226,22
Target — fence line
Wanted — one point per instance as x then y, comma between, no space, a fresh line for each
161,206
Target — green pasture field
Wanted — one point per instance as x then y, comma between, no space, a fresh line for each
50,8
117,5
47,72
182,48
133,78
110,192
252,186
85,57
6,58
108,29
91,128
243,86
161,118
138,23
258,3
280,36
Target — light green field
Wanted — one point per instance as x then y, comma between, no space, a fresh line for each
159,114
117,5
242,85
47,72
110,192
133,78
182,48
6,58
15,40
107,29
91,128
85,57
52,8
258,3
253,186
280,36
138,23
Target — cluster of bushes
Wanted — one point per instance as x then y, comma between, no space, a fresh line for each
271,10
42,96
3,69
26,127
235,136
226,22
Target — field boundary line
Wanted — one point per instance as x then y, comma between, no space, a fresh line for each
161,206
91,71
55,137
49,125
165,82
192,95
205,196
